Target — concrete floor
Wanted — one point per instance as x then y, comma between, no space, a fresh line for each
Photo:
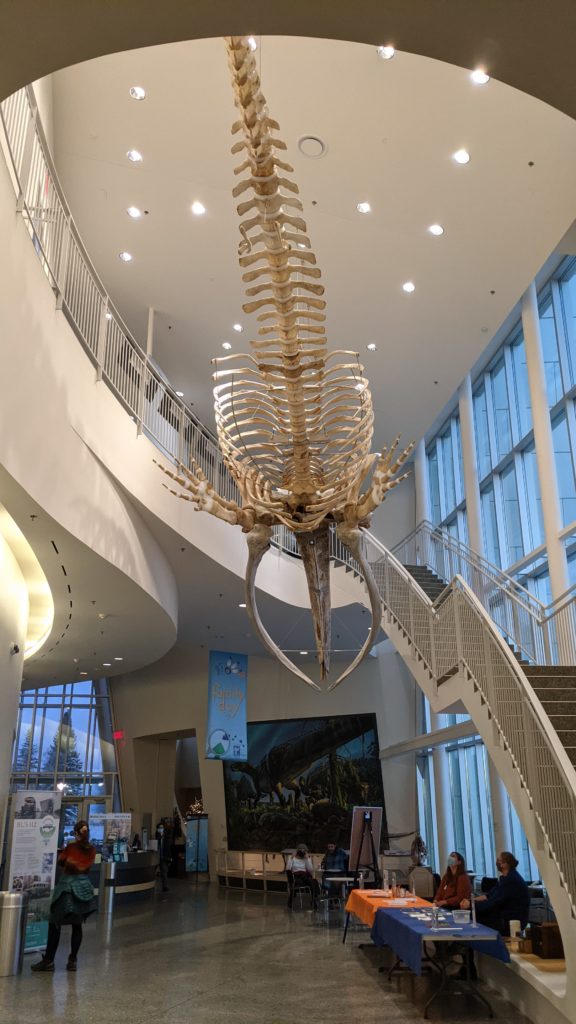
201,955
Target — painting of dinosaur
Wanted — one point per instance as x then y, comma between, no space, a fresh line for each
294,420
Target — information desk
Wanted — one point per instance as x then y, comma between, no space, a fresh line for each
409,933
135,879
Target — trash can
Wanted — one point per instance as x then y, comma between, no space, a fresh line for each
107,887
13,917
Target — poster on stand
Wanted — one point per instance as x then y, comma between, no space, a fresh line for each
197,843
33,855
226,738
110,834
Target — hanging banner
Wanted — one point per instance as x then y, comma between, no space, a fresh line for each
226,729
197,844
33,855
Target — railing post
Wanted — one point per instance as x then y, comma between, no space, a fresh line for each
411,613
431,621
457,626
61,275
141,397
101,346
26,166
546,640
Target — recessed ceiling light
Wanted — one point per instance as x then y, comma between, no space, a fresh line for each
126,257
303,652
179,394
242,605
226,345
371,347
461,156
385,52
312,146
106,664
253,45
198,208
363,207
436,229
479,76
134,212
239,328
137,92
83,673
134,155
118,659
108,316
408,286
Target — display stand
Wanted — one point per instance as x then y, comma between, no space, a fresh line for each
197,845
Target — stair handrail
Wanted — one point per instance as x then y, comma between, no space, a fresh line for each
473,558
458,637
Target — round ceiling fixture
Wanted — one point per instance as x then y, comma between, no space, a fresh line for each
135,156
137,92
385,52
436,229
312,146
126,257
409,286
479,76
461,156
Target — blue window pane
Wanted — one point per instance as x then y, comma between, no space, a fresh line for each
564,468
568,293
490,526
550,353
460,487
435,510
521,387
482,434
534,500
501,409
448,468
512,521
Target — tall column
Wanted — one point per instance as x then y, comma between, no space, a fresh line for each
470,464
543,443
500,815
421,483
444,820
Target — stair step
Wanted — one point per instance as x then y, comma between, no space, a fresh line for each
567,671
552,695
559,708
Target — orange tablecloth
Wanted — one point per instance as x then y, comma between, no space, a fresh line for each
363,905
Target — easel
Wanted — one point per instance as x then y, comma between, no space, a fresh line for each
366,834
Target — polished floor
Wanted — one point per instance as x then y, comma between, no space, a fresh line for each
200,955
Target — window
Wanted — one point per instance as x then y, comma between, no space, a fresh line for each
568,294
512,522
501,409
448,468
533,498
550,353
435,509
490,525
521,388
482,433
564,468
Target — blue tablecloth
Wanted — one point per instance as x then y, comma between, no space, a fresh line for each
405,935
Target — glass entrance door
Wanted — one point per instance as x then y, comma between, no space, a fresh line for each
76,808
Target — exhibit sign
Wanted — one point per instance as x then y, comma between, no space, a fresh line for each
226,737
110,834
197,843
33,856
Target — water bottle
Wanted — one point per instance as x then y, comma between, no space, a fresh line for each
434,916
394,883
473,908
385,885
361,880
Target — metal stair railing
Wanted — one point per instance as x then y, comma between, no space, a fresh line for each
458,636
544,634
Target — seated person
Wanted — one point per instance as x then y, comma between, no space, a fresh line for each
508,900
300,873
455,886
335,863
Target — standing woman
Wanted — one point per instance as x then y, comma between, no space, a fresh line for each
455,885
72,899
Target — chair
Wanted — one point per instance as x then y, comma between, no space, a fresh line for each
422,880
296,888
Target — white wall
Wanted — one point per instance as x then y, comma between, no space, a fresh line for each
396,516
172,695
13,626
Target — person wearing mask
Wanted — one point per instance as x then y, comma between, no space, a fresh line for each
73,898
455,885
300,871
164,841
508,900
335,863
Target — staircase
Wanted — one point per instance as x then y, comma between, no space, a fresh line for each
428,581
555,687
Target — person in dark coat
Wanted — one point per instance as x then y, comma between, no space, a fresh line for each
508,900
73,898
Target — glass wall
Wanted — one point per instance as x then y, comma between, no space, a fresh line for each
64,739
511,505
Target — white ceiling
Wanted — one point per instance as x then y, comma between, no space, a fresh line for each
390,128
